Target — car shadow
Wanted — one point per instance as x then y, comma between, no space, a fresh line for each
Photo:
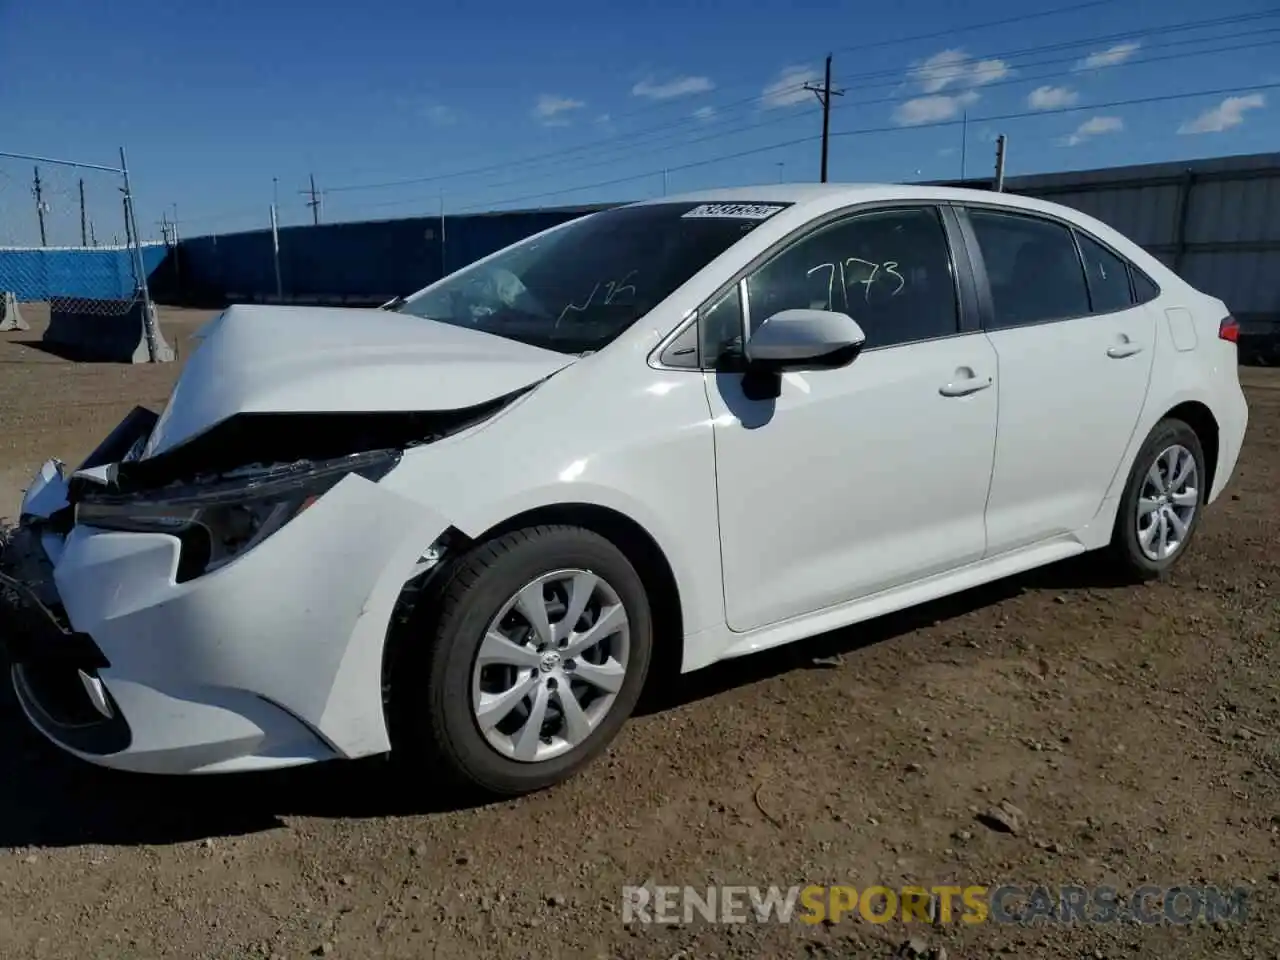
50,799
673,690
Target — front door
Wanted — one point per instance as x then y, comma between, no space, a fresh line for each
858,479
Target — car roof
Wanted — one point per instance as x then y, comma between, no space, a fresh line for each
819,197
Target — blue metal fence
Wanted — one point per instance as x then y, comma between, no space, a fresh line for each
97,273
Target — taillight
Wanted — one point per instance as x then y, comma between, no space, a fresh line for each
1229,329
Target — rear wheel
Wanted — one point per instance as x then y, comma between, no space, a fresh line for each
1161,504
535,659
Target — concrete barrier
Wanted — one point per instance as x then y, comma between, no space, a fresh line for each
104,330
10,316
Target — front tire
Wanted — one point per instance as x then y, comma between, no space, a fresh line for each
1162,501
534,660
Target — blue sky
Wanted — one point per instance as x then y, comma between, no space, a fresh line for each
569,101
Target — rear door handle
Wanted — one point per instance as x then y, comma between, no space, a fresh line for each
962,388
1125,348
1128,350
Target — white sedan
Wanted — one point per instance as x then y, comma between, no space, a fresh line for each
464,527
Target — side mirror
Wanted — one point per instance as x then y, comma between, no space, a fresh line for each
804,340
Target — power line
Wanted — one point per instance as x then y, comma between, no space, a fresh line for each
757,98
717,136
674,132
894,74
865,131
1007,21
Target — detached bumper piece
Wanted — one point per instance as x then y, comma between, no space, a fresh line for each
54,668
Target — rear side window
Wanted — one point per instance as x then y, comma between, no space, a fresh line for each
1108,276
1033,268
1144,288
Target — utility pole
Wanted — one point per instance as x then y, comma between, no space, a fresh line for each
824,95
128,231
964,143
443,249
93,236
314,202
1000,152
84,233
275,253
40,207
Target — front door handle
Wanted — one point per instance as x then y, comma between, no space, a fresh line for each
962,388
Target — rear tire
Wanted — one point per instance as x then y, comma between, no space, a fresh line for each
464,698
1162,502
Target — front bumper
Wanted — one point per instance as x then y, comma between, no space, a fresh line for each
271,661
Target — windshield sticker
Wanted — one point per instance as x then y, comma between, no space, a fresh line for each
733,211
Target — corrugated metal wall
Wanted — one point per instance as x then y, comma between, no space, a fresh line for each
1217,222
368,262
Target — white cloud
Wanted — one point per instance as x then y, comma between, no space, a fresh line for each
551,108
678,87
704,113
1117,53
948,70
988,71
1229,113
939,71
1093,127
932,109
1052,98
440,115
788,89
956,68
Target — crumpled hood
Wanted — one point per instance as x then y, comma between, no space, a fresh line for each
268,359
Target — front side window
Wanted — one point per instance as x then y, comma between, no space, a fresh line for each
1108,276
578,287
1032,266
890,270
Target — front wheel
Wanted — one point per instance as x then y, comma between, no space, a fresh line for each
1162,500
535,660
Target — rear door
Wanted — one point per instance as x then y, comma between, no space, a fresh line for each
1074,351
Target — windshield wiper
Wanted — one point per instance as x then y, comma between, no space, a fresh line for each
394,304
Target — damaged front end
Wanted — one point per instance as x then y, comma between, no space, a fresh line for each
225,604
219,494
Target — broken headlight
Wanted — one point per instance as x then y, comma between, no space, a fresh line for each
219,520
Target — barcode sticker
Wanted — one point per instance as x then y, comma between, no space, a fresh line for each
733,211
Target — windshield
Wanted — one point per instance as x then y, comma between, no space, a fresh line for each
578,287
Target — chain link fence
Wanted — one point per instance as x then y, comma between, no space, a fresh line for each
69,241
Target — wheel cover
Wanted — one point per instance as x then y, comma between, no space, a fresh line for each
1167,503
550,665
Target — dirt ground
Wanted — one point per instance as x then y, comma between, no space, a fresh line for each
1135,729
